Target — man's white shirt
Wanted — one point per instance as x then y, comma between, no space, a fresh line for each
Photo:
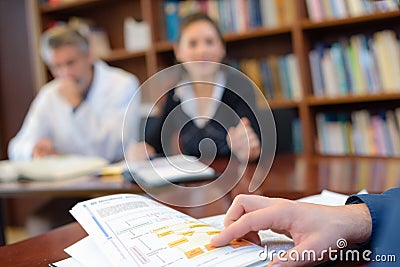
94,128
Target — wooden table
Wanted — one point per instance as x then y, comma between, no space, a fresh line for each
87,186
290,177
43,249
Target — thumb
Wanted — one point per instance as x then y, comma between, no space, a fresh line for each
231,132
245,121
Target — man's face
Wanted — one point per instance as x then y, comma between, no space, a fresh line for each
68,62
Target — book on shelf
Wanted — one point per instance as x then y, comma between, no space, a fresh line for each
269,17
277,76
99,41
137,35
134,230
252,69
294,77
231,16
171,18
358,65
297,136
321,10
359,133
273,65
314,9
98,38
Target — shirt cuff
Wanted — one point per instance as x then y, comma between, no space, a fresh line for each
379,205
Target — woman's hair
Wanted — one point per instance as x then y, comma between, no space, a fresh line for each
59,36
195,17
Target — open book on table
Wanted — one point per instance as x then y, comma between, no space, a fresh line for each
161,170
133,230
50,168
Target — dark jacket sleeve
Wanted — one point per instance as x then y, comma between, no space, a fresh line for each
153,135
242,99
379,205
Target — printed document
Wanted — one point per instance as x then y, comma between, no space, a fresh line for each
133,230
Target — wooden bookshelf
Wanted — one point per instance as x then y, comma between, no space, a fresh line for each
321,101
122,54
308,25
283,104
68,6
298,37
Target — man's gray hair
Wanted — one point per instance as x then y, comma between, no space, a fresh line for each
59,36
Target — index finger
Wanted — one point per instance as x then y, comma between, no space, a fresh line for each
274,217
243,204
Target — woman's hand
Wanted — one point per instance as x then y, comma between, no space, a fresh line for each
243,141
139,151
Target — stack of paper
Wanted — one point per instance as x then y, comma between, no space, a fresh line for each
133,230
328,198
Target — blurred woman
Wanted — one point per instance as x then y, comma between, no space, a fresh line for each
212,110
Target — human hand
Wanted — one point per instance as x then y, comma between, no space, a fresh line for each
311,226
43,148
70,91
243,141
139,151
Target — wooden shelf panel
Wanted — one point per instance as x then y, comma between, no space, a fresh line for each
122,54
281,104
165,46
256,33
48,8
320,101
309,25
319,157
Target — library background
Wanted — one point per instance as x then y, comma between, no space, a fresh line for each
329,69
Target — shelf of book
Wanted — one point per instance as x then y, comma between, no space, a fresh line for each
310,25
266,35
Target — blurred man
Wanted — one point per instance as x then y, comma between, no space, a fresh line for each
81,111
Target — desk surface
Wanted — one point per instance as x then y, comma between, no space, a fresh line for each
43,249
290,177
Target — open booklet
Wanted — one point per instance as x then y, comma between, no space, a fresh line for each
133,230
58,167
151,228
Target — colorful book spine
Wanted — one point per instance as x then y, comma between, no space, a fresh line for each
171,19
